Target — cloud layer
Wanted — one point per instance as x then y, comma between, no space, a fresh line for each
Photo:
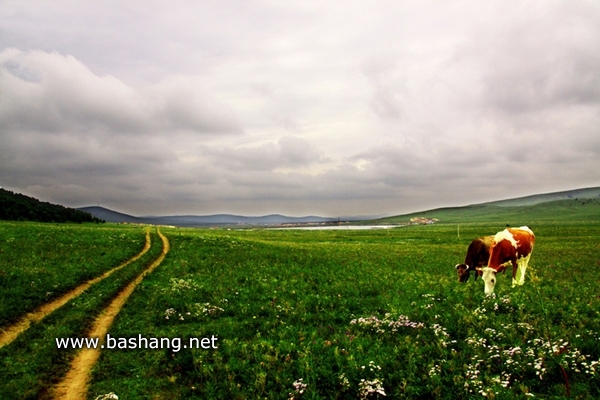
299,108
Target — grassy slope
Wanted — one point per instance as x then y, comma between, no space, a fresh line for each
554,211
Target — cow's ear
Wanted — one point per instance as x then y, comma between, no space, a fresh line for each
483,269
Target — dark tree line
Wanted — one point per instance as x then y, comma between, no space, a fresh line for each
18,207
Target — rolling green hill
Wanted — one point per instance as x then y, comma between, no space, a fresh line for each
576,194
558,210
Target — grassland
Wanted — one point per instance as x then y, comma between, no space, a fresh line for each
346,312
42,261
64,256
338,314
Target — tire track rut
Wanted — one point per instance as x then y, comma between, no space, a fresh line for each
11,332
74,384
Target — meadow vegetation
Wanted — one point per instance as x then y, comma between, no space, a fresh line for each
338,314
40,262
64,256
360,314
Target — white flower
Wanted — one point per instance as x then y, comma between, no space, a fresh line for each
108,396
299,388
366,388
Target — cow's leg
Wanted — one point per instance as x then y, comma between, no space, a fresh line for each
514,274
523,268
522,277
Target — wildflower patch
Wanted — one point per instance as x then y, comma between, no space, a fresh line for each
388,324
493,366
194,311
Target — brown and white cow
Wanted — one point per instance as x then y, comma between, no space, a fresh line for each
512,245
478,254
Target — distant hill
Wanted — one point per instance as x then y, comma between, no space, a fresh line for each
203,220
110,215
579,204
229,219
582,204
587,193
572,205
18,207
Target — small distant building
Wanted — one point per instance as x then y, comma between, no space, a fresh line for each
423,221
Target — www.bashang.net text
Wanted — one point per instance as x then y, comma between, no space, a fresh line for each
139,342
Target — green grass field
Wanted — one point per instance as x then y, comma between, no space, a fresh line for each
39,262
326,315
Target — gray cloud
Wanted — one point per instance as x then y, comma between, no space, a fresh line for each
337,108
546,60
54,93
388,86
287,152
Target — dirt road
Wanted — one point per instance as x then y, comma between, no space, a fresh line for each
12,332
75,383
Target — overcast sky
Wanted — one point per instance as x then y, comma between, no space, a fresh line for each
297,107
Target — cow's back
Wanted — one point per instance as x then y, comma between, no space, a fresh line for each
525,240
478,252
510,245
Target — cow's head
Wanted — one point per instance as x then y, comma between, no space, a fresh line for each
489,278
464,271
